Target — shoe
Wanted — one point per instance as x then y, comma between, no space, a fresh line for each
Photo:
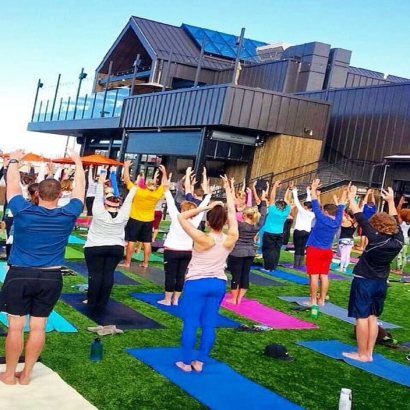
266,270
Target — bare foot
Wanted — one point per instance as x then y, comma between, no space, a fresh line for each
197,365
124,265
175,302
183,366
23,379
85,301
231,301
164,302
144,265
308,303
321,302
7,380
356,356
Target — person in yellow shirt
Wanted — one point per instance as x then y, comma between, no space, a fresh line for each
139,226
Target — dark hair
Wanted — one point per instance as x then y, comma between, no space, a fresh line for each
217,217
49,189
307,204
32,189
280,204
331,209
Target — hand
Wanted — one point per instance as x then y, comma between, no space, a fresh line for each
315,184
215,203
17,154
388,195
291,185
352,192
276,184
227,184
248,190
402,200
127,163
74,155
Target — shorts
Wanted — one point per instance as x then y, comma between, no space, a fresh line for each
318,260
138,231
30,291
366,297
157,219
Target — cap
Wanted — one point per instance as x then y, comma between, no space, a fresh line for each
278,351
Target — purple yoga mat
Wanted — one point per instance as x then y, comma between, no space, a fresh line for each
303,269
253,310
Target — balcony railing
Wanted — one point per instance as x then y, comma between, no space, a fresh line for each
95,105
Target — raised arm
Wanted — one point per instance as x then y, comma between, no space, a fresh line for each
388,196
79,176
13,174
126,175
232,233
255,194
272,197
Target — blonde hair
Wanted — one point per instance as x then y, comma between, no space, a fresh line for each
252,213
151,184
66,185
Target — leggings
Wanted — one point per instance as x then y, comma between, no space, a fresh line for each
299,240
200,304
271,244
175,265
240,268
345,249
286,230
101,263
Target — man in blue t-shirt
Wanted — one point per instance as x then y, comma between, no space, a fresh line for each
369,208
33,282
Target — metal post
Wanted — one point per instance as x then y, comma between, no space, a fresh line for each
136,64
55,97
106,89
238,55
81,78
39,85
382,187
199,67
167,71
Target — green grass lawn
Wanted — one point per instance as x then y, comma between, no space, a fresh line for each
313,381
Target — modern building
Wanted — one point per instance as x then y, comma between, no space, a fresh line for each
192,96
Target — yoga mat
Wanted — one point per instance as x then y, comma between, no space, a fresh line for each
380,366
218,386
352,258
253,310
291,277
71,253
152,299
54,322
46,390
333,310
157,244
152,258
119,278
331,275
261,280
151,273
115,313
75,240
336,266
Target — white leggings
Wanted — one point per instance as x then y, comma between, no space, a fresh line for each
345,251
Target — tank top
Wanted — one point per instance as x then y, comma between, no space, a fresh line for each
210,263
347,231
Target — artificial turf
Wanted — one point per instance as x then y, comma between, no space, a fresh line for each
312,381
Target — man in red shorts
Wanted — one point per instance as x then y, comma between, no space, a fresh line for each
319,245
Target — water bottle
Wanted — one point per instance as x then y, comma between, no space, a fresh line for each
314,311
96,350
345,400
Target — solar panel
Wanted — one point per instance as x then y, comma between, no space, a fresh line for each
222,44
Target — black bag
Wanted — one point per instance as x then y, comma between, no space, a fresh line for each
384,337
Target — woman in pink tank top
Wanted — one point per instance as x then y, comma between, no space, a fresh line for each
205,284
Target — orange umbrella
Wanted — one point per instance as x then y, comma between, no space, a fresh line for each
35,158
98,159
65,160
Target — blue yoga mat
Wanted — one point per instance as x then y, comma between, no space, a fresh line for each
119,278
76,240
54,322
380,366
152,299
291,277
218,386
336,266
335,311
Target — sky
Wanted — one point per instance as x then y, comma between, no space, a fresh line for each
44,38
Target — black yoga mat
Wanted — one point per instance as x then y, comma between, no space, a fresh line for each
115,313
119,277
151,273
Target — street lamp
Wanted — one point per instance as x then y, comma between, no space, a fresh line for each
39,85
81,77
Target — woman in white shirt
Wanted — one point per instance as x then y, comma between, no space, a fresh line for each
104,247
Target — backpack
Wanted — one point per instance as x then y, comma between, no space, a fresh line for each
384,337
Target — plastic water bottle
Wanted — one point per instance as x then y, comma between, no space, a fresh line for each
314,311
345,400
96,350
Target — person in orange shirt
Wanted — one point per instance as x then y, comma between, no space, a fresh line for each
140,224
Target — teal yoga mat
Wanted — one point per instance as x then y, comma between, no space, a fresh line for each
218,386
380,366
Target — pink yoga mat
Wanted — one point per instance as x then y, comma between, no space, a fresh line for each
253,310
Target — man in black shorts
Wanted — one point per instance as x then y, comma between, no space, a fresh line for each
33,282
369,285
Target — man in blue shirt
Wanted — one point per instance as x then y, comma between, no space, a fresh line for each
319,245
33,283
369,208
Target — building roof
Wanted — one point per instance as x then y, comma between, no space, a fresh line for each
377,75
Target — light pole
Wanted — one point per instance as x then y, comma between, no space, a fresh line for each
39,85
81,78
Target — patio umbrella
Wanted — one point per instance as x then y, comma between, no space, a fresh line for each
35,158
93,159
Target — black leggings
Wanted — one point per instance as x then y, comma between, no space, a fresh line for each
271,244
299,240
286,230
175,266
89,201
101,263
240,268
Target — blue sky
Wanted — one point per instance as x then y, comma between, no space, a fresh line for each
44,38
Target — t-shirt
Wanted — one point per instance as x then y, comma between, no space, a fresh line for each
143,204
275,219
374,263
369,210
41,234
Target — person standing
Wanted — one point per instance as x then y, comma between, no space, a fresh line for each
346,238
139,226
369,208
91,190
205,283
104,247
319,244
369,286
33,282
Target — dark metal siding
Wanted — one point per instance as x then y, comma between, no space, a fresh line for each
368,123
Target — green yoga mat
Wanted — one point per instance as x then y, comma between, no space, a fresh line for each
71,253
152,258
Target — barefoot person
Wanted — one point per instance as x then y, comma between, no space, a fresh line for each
369,285
33,283
206,280
178,244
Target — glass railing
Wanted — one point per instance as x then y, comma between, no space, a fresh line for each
95,105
